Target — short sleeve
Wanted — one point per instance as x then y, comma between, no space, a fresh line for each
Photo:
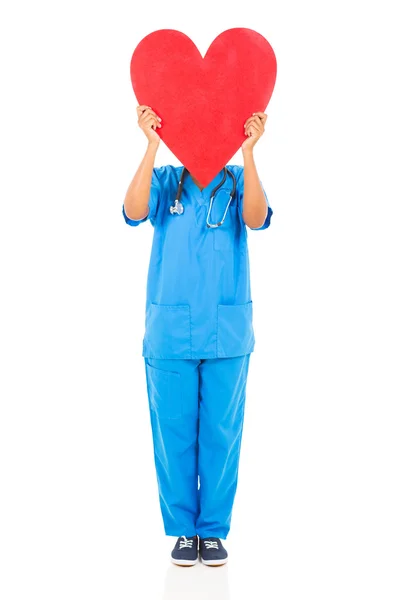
239,173
156,191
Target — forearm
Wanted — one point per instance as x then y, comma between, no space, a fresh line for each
255,205
136,201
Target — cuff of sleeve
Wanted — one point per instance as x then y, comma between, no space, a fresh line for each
133,222
266,222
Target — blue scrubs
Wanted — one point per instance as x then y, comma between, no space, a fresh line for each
197,345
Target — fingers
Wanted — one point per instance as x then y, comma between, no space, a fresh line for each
254,119
147,118
144,110
141,108
257,124
259,117
148,112
251,131
255,127
262,116
149,121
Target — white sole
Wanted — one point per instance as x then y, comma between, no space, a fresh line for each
184,563
215,563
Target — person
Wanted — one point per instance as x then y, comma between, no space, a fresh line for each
198,334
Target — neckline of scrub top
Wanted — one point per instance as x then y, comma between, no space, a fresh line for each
203,196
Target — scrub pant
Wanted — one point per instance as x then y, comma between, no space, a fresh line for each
196,412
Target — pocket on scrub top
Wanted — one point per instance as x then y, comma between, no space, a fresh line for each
168,332
235,335
165,394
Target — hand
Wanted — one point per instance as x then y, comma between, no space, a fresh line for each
148,122
254,128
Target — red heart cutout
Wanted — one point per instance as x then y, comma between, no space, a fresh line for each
204,102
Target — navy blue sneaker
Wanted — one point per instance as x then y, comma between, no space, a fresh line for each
186,551
212,552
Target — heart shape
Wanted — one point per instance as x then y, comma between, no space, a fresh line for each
204,102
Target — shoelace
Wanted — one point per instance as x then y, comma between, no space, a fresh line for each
211,545
185,543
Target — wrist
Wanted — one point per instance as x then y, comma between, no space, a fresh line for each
248,153
152,146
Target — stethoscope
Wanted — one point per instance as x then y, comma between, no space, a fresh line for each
177,207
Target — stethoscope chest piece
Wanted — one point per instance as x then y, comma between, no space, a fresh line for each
176,208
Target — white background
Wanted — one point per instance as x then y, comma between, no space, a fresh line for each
317,508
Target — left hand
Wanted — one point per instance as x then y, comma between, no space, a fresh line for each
254,128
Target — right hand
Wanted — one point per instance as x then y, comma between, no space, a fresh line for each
148,122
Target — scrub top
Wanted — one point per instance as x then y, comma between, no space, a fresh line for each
199,301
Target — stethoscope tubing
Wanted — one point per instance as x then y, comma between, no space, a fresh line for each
177,207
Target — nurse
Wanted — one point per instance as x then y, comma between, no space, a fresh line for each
198,334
